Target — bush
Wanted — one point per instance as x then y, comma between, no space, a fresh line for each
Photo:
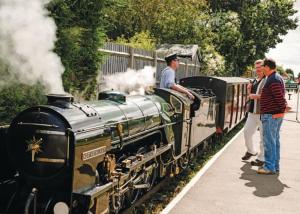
80,34
16,98
142,40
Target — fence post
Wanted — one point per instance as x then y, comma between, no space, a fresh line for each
131,62
186,68
196,72
155,59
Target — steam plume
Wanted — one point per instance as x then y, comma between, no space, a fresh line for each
27,38
131,81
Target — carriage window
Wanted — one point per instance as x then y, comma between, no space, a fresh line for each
176,104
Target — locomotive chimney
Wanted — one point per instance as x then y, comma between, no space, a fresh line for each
60,100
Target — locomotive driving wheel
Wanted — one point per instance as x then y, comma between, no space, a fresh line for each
183,162
137,178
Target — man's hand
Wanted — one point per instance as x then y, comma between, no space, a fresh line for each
249,86
182,90
190,96
287,109
254,96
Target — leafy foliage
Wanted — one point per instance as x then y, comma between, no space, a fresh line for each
142,40
80,34
234,33
290,73
18,97
169,21
262,25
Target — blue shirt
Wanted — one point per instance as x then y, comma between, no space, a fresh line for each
167,78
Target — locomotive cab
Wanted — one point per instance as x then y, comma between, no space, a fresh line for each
195,120
203,115
180,112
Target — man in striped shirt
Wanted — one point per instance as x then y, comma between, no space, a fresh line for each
272,108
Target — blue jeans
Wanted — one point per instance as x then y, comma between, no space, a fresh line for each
271,128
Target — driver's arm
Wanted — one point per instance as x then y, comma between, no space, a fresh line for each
183,90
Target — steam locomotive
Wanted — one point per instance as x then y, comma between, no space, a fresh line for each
100,156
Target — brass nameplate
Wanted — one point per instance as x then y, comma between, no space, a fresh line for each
50,160
93,153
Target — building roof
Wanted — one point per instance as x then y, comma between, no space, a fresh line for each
185,51
232,79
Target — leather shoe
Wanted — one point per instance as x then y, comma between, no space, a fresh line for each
247,156
257,163
263,171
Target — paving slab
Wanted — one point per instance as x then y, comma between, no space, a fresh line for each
231,185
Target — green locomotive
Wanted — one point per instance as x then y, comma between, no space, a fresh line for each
100,156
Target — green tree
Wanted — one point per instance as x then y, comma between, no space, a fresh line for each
228,40
280,69
128,17
17,97
168,21
80,34
238,31
262,25
291,74
14,96
142,40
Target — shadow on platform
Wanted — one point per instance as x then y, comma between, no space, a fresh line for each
295,121
265,185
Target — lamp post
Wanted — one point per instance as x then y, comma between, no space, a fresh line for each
298,91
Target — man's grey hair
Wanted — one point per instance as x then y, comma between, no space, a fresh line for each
259,61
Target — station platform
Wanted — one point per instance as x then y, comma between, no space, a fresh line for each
228,185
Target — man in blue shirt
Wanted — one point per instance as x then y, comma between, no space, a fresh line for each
168,76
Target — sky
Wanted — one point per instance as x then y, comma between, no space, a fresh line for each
287,53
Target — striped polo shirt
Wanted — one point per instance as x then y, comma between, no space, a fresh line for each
272,99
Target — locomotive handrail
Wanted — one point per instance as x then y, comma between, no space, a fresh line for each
109,125
31,197
37,124
144,132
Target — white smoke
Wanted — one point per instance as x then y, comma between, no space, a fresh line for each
131,82
27,39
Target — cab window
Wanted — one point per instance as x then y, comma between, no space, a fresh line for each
176,104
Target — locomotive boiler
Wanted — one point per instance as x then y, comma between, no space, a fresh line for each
100,156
